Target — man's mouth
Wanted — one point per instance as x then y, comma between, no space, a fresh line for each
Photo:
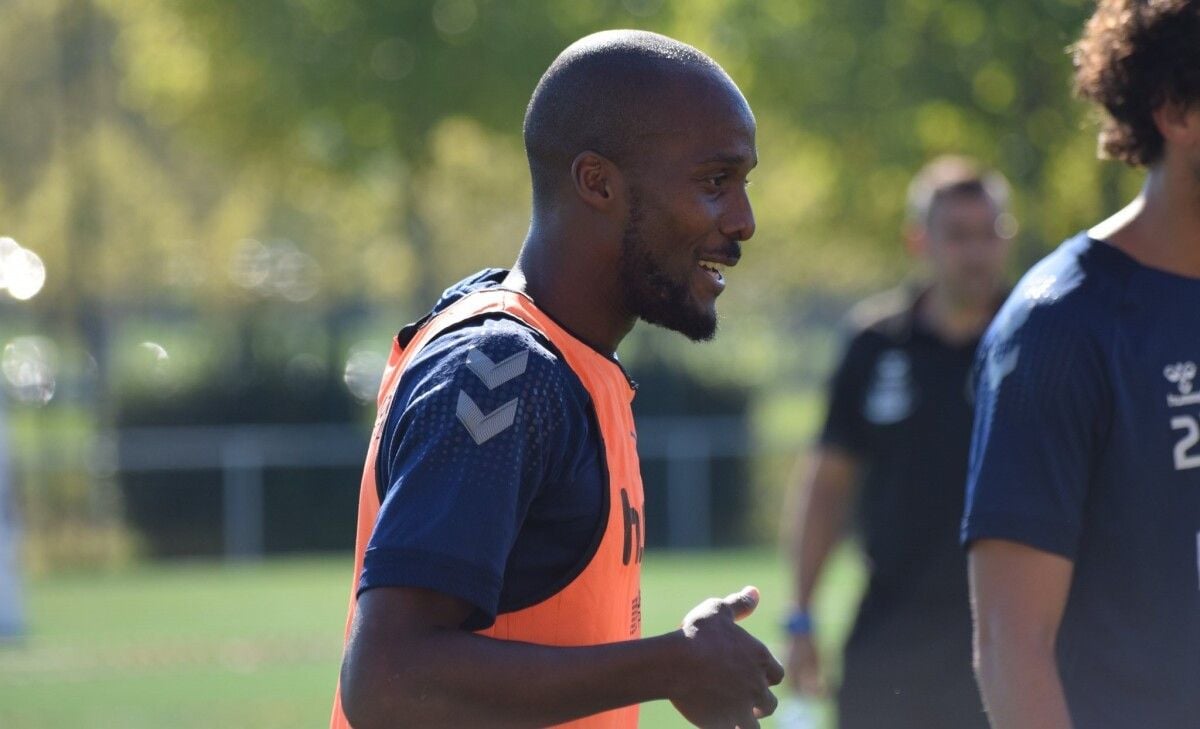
715,264
714,269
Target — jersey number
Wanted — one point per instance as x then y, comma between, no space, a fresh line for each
1184,458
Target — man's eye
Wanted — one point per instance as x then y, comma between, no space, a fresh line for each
717,180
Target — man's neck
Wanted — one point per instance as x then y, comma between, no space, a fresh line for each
572,288
955,321
1161,227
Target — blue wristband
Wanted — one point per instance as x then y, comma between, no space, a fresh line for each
800,622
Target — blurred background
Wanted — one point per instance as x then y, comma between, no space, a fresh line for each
214,215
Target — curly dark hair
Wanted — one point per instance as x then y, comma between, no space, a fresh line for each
1134,56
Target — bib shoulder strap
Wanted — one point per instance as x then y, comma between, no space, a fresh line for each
480,303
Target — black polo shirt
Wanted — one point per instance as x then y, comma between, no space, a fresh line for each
900,403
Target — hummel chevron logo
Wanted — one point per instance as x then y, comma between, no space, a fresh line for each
485,427
496,374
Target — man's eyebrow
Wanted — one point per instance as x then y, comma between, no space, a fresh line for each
732,160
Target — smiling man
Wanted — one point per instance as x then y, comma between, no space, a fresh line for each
500,516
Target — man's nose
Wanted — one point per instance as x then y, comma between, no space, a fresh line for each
738,221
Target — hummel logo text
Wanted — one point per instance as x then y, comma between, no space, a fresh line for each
1182,374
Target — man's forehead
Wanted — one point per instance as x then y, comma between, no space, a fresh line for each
706,90
710,139
964,202
963,209
709,116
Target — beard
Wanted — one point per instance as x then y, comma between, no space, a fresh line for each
653,295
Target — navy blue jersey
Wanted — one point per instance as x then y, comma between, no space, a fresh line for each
1087,445
501,512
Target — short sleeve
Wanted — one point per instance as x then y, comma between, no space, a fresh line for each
1042,407
476,429
844,426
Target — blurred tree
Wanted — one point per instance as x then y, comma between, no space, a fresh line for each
335,120
332,158
359,88
256,186
852,97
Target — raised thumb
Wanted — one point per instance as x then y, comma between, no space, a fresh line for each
743,602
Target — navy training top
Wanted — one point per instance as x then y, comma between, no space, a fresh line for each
504,518
1087,445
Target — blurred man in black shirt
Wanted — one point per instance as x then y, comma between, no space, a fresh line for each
896,438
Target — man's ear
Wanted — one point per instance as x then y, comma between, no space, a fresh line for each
1179,123
916,239
598,182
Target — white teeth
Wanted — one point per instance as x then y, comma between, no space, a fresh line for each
715,270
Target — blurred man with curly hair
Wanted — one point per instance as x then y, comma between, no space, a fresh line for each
1083,502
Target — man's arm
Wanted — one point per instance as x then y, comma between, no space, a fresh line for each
825,495
1018,594
409,664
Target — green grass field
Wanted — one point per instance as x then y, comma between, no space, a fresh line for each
210,645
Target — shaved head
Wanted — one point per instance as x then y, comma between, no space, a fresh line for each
639,148
607,93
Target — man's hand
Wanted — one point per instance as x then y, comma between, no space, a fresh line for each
408,663
804,667
727,673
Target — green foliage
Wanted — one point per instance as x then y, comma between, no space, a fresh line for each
387,133
212,175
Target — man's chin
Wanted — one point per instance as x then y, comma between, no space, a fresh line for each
697,334
695,326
